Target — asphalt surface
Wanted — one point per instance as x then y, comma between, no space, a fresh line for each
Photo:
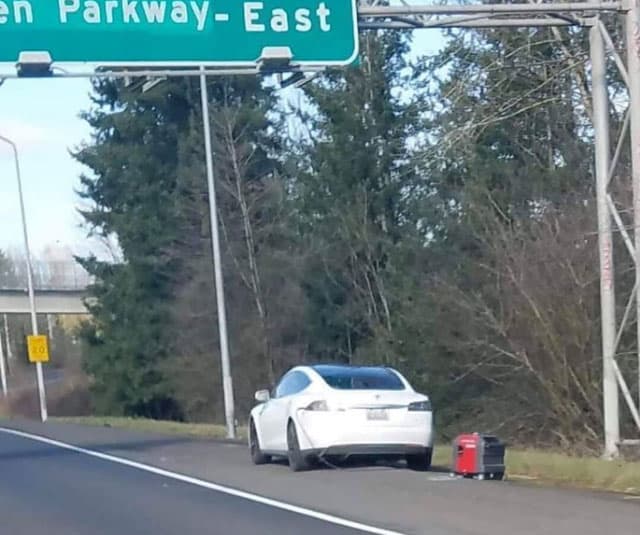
44,487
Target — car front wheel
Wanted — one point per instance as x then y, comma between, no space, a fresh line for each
420,462
254,446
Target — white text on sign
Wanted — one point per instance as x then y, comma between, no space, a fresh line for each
279,20
149,12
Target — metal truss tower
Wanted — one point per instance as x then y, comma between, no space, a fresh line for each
586,15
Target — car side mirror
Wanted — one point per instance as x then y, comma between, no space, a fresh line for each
262,396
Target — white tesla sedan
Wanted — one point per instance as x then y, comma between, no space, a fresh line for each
326,410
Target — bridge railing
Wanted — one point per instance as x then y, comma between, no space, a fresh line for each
47,275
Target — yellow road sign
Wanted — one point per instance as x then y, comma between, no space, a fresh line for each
38,347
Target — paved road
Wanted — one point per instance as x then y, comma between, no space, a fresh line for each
71,493
44,489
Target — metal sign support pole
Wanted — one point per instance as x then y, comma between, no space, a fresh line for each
227,383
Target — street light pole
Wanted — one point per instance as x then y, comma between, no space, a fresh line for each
227,383
32,298
3,371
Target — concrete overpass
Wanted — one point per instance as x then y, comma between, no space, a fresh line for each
60,288
49,301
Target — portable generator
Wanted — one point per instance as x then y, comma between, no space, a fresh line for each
478,455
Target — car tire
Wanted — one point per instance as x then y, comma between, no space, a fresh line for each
420,462
257,457
298,462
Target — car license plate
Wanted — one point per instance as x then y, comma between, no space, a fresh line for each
377,414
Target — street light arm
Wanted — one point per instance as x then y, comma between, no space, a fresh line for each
27,249
6,139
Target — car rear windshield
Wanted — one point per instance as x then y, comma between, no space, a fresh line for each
344,378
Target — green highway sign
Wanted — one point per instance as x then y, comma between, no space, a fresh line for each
179,32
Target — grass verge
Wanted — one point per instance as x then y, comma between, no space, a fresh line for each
582,472
154,426
535,466
549,468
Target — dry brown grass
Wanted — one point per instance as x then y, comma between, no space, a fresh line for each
69,397
155,426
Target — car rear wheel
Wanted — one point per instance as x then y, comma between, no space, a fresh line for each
254,446
298,462
420,462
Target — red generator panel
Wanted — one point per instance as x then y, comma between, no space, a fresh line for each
478,455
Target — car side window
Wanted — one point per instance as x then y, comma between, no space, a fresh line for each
301,382
283,386
291,384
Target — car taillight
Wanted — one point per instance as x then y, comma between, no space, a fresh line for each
420,406
320,405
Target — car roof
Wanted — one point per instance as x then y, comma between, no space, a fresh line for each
315,372
339,367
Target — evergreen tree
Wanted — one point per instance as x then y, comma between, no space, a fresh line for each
133,159
356,189
153,342
509,127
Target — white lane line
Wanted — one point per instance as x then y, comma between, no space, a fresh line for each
331,519
441,478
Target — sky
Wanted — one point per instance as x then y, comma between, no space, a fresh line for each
42,117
